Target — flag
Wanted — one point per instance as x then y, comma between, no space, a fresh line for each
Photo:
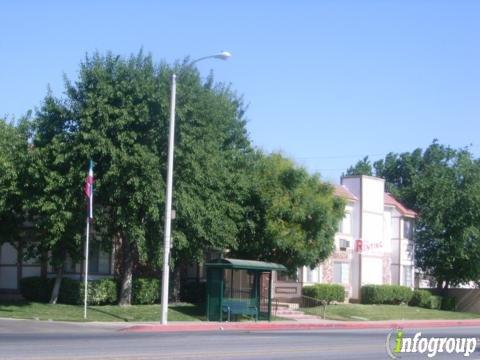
88,189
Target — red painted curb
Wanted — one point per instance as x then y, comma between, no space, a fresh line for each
337,325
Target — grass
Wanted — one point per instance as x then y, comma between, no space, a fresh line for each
386,312
133,313
61,312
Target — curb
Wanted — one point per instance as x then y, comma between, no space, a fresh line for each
332,325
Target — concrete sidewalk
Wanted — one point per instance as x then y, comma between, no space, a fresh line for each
294,325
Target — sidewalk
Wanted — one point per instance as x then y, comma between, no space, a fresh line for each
300,325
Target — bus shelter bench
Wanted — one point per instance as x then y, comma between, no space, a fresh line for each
239,307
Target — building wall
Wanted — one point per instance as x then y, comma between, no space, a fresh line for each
386,255
12,270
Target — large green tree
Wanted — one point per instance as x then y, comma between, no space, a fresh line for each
291,216
116,113
443,185
14,161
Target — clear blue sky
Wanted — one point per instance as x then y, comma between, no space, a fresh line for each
327,82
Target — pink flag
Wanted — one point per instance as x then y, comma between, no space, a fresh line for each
88,189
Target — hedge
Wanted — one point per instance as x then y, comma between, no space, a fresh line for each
386,294
36,288
100,292
145,291
435,302
448,303
325,292
421,298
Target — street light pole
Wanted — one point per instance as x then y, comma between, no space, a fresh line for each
167,243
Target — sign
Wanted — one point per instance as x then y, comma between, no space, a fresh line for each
363,246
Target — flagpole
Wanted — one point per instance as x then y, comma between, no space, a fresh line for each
86,270
89,192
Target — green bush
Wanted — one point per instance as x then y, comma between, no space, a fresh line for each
145,291
448,303
100,292
70,292
386,294
193,292
325,292
421,298
435,302
36,288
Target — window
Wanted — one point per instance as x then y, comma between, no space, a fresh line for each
341,273
407,276
344,244
347,224
313,274
407,229
98,261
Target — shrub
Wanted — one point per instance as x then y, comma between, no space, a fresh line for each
70,292
435,302
193,292
36,288
100,292
325,292
421,298
145,291
386,294
448,303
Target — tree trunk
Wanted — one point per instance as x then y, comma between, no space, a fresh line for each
176,283
56,286
126,274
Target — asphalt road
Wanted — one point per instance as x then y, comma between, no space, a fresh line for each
35,340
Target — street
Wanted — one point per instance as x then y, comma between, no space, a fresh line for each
36,340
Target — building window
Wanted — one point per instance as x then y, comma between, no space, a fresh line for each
341,273
407,229
313,275
347,224
99,262
407,276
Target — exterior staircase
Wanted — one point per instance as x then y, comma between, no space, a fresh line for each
291,311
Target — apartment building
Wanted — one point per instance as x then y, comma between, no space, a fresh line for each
373,245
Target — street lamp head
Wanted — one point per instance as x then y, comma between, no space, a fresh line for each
224,55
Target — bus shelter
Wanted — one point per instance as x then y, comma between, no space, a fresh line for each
237,288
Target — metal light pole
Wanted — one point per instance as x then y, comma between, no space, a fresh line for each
168,196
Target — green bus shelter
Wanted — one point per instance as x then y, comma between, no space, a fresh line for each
238,287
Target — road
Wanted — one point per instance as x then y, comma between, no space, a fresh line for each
35,340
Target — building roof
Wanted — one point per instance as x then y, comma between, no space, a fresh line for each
343,192
390,200
245,264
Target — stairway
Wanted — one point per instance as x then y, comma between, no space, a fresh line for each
291,311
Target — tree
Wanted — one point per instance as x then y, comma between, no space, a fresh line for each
362,167
443,185
116,113
291,215
56,202
14,159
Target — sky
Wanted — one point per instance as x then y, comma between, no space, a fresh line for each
326,82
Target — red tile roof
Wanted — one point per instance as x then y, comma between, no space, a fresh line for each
390,200
343,192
